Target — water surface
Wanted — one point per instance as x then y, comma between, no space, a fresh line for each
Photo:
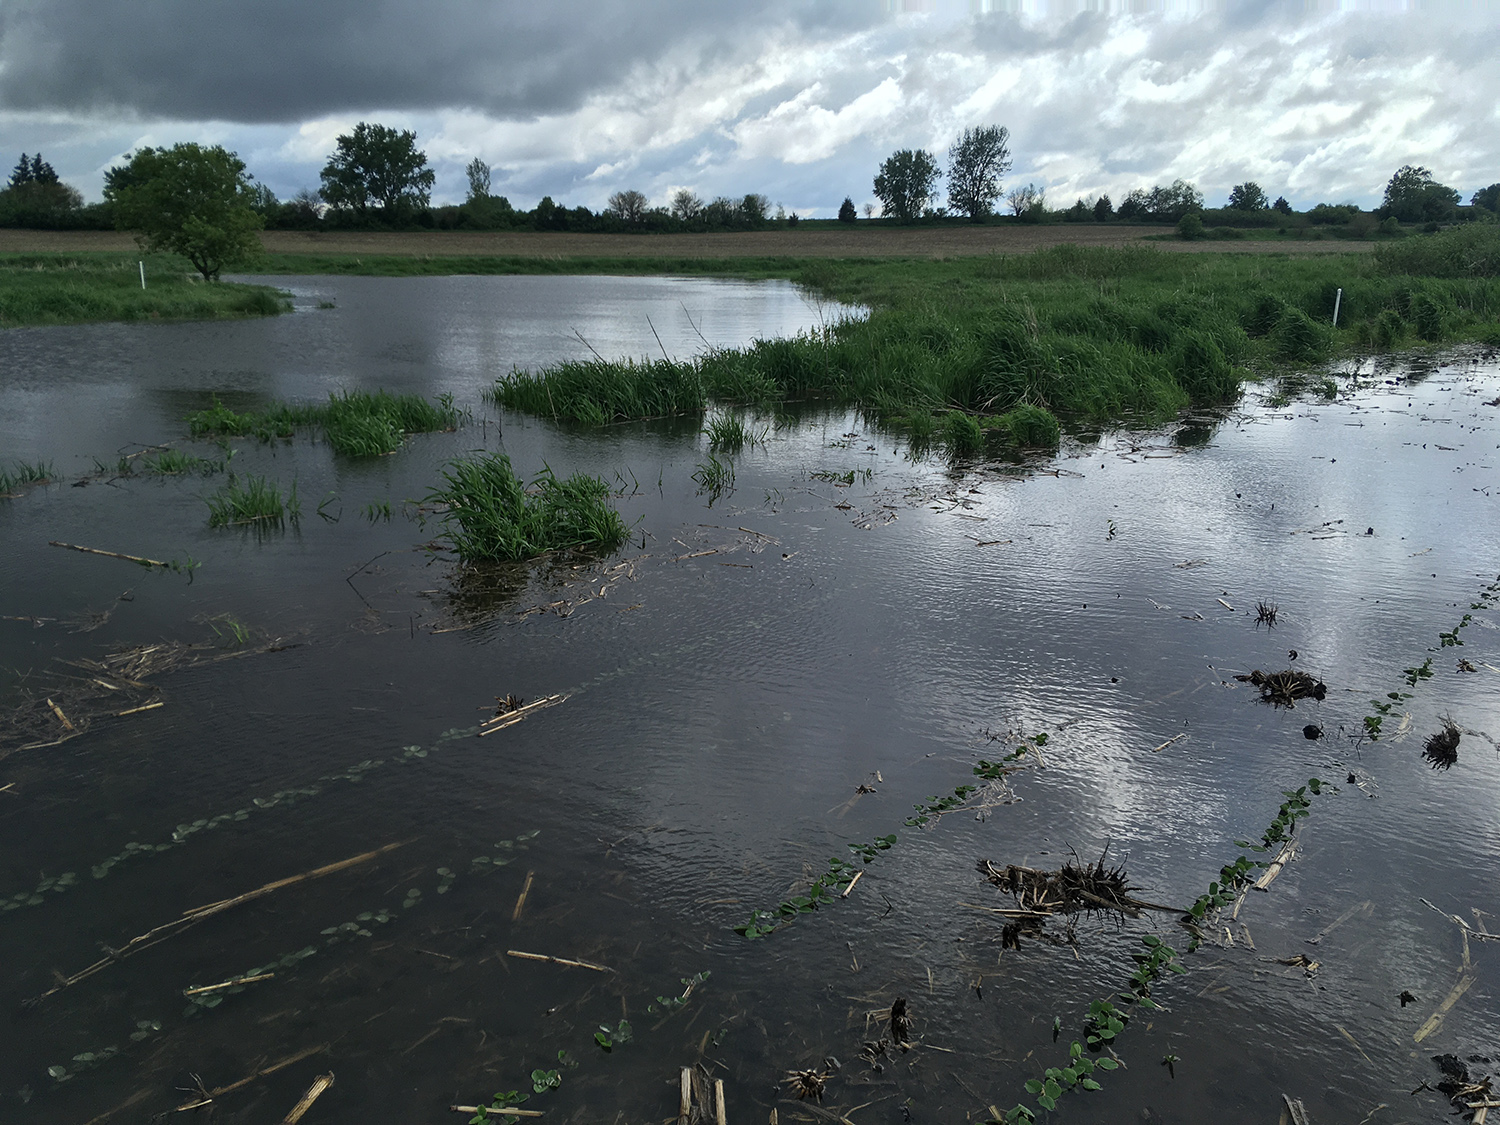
731,679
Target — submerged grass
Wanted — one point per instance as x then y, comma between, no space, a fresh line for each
355,423
491,516
1016,343
252,500
75,289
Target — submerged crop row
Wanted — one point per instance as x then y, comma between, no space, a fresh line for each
960,351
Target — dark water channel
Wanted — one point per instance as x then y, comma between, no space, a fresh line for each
731,679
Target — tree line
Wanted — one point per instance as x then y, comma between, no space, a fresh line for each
202,203
906,186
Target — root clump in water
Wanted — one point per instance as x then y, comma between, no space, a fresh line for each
1283,689
1071,888
1441,750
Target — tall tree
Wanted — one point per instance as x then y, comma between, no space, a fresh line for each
976,162
754,208
905,183
187,200
686,206
1487,197
847,213
22,173
1248,196
629,205
376,166
478,173
1023,199
1413,196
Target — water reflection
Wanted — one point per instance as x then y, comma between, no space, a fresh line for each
729,683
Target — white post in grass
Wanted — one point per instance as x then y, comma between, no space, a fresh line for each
143,285
1338,299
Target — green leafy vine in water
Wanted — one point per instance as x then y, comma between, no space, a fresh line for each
829,886
1107,1018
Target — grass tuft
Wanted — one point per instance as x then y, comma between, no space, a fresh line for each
26,473
491,516
356,423
252,500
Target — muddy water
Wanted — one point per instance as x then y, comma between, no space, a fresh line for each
731,679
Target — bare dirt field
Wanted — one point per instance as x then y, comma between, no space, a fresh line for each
858,242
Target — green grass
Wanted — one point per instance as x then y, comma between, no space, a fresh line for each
175,462
714,476
491,516
355,423
594,392
1088,335
75,289
22,473
252,500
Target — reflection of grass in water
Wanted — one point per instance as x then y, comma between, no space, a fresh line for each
491,516
252,500
356,423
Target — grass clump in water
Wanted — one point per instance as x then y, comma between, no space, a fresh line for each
730,433
594,392
23,473
492,516
356,423
962,435
252,500
1033,427
714,476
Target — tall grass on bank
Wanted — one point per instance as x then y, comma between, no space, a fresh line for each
355,423
1090,335
252,500
491,516
72,289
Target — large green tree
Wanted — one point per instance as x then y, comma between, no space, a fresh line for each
1249,196
377,168
976,162
905,183
188,200
1413,196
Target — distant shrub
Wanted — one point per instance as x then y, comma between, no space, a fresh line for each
1190,226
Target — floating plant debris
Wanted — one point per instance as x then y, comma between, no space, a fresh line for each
1283,689
1441,750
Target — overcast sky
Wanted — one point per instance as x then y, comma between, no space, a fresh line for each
800,101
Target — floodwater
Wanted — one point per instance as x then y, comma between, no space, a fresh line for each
730,681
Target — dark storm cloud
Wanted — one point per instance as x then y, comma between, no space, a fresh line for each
290,60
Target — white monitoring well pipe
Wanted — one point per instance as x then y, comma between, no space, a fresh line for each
1338,299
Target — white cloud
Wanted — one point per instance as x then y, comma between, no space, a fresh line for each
1313,103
